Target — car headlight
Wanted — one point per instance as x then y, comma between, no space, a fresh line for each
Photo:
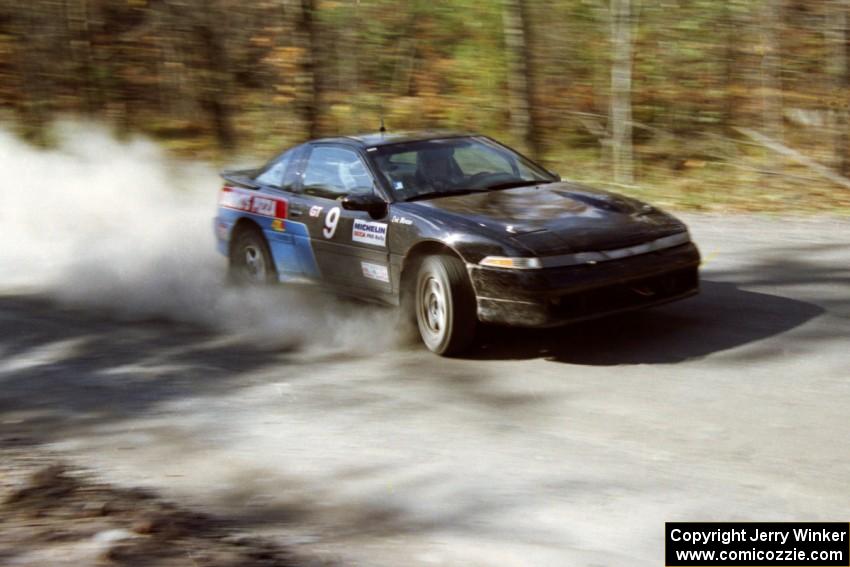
511,263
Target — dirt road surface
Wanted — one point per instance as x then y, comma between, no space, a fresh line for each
566,447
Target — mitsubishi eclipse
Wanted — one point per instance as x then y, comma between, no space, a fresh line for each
459,229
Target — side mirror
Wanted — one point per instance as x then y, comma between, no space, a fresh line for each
369,202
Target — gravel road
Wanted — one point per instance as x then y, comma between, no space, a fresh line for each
565,447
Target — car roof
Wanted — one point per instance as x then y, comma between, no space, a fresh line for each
387,138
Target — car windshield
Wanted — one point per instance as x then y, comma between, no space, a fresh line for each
454,166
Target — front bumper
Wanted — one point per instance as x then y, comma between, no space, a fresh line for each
555,296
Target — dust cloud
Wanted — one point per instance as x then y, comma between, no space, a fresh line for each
119,227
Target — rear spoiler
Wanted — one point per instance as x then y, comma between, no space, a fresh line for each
241,177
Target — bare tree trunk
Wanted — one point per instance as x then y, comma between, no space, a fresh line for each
731,65
348,64
842,80
172,62
771,68
31,60
622,23
80,48
309,80
216,81
405,65
520,76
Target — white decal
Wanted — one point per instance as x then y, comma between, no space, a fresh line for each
235,200
255,204
375,272
315,210
263,206
402,220
374,233
331,220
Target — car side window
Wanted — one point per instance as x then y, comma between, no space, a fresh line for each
335,172
280,174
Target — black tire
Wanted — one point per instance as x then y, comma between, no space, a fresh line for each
444,304
251,262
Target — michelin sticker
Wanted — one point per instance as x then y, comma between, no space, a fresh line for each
375,272
374,233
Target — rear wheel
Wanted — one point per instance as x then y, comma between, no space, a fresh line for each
250,260
445,305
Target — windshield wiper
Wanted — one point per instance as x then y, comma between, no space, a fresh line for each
516,183
434,194
494,187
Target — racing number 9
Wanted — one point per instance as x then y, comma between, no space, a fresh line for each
331,220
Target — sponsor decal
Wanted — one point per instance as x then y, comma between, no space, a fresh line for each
374,233
375,272
234,199
263,206
315,211
277,224
401,220
255,204
331,221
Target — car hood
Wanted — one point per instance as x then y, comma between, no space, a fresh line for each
562,217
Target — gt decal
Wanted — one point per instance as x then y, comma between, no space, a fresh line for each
315,210
374,233
331,220
241,201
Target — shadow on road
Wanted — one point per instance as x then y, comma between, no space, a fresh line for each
66,374
720,318
64,370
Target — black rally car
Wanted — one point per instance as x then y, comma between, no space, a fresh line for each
457,228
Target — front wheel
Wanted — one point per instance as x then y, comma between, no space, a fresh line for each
250,260
445,305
